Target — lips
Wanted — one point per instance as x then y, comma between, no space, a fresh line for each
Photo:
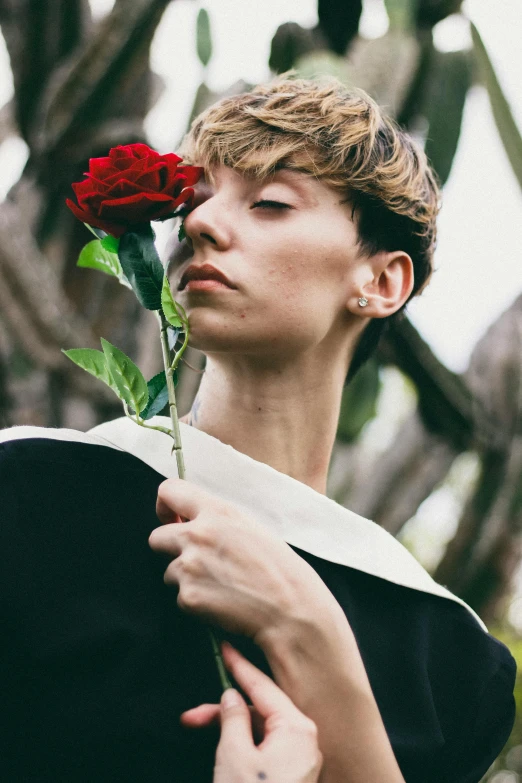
203,272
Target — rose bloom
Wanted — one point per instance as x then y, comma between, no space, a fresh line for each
133,185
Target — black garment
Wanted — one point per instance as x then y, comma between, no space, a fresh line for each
98,662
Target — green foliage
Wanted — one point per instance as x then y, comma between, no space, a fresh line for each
203,37
169,306
359,401
506,125
321,63
444,97
158,396
98,232
110,243
131,385
142,266
400,14
96,256
93,362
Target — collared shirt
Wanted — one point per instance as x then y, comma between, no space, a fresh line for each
101,662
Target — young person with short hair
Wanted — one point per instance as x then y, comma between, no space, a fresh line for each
315,224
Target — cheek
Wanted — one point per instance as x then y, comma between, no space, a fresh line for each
309,275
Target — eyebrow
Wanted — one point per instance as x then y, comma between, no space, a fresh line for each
299,178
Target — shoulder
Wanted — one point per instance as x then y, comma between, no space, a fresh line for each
442,683
38,463
48,445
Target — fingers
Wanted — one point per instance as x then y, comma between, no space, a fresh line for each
236,728
210,715
178,500
204,715
265,695
167,539
181,497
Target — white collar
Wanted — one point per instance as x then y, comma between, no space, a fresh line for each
292,510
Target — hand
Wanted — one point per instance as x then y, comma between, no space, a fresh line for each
288,751
229,569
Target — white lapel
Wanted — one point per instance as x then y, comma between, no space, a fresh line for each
295,512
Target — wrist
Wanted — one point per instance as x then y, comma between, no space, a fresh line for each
314,633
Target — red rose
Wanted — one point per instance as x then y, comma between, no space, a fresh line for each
133,185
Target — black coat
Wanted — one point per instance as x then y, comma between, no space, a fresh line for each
98,662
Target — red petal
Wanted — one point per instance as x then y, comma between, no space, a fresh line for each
151,179
87,217
124,187
99,166
186,195
139,208
171,159
192,173
133,151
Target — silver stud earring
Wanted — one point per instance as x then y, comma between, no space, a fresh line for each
363,301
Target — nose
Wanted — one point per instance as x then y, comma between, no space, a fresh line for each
206,222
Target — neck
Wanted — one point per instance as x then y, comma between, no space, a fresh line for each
286,418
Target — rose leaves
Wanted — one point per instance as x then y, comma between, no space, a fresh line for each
118,371
142,266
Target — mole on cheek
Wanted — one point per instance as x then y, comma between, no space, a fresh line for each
242,315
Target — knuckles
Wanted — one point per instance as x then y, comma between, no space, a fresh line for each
200,533
190,564
189,598
308,728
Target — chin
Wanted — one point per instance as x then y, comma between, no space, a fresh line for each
211,333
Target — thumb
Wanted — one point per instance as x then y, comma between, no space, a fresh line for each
236,728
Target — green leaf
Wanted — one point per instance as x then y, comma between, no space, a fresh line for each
203,37
169,306
182,234
141,264
158,396
131,384
443,105
504,119
95,256
400,13
93,361
359,401
110,243
98,232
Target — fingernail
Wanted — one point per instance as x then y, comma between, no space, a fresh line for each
230,698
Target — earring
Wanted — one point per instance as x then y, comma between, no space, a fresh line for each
363,301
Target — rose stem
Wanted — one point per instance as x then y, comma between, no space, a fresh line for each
173,409
223,676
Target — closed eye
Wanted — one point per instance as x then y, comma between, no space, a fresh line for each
265,204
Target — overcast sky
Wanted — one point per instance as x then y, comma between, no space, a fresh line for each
479,257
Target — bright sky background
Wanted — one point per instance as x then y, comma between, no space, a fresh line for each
479,257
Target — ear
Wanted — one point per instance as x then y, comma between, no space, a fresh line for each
388,284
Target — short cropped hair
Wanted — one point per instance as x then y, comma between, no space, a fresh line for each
341,136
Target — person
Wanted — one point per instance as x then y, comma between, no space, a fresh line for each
315,224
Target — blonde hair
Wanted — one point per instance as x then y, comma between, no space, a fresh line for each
340,136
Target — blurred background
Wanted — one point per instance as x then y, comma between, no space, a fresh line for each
430,436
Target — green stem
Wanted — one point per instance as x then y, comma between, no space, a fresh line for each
173,408
175,434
